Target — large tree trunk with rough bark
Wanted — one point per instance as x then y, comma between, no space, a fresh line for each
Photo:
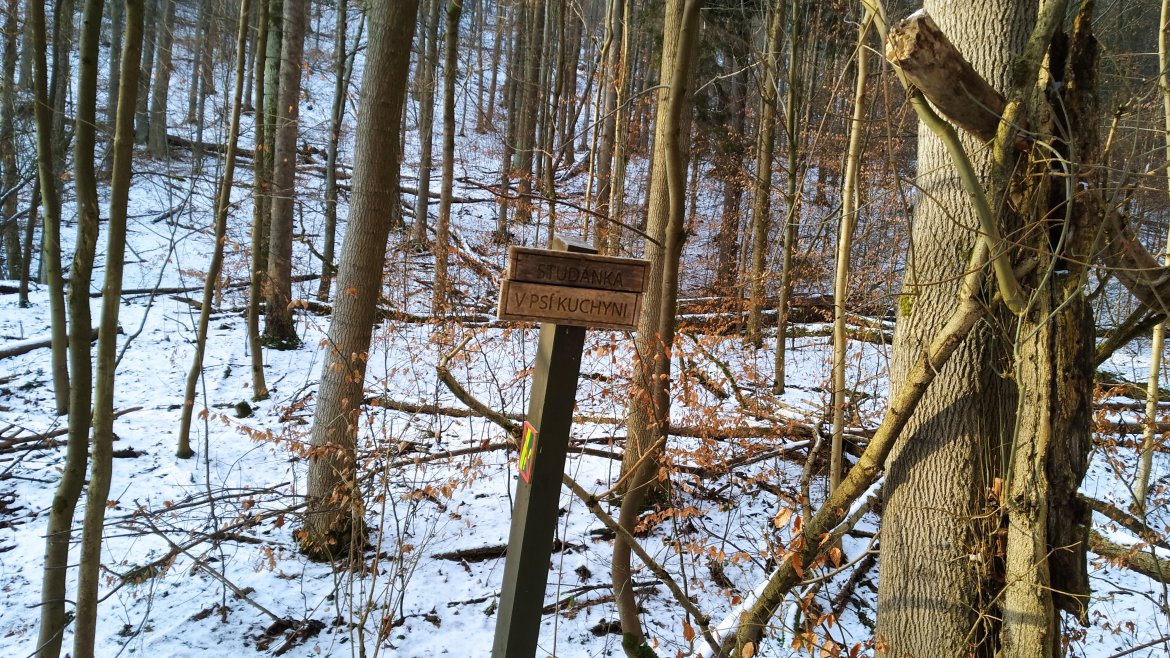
334,517
933,569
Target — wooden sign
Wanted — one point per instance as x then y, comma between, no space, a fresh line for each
565,268
575,289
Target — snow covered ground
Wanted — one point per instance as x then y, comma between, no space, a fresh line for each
200,556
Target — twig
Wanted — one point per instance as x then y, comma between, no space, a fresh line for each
594,506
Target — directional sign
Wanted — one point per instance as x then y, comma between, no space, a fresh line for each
579,307
574,289
564,268
566,290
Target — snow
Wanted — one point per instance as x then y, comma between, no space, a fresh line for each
248,476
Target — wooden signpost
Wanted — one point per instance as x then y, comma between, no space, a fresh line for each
566,289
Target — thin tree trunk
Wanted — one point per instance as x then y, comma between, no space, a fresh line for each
649,409
849,211
271,91
617,177
451,47
279,329
334,517
29,229
85,625
762,185
607,115
497,38
117,18
51,201
223,200
142,107
791,196
340,59
529,99
60,525
61,82
426,120
1149,433
259,210
13,257
157,124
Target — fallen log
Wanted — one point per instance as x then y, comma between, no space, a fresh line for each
25,346
1133,558
130,292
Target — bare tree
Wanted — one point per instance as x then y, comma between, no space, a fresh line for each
333,519
157,130
279,329
650,398
222,201
85,624
450,65
51,201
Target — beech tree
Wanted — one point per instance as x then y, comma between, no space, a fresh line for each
279,328
334,518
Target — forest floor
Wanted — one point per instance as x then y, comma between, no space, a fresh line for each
200,556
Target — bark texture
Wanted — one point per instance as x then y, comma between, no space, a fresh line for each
335,510
279,328
101,471
932,567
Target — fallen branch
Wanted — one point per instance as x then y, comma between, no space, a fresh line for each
484,553
1127,521
34,441
594,506
1130,557
467,398
25,346
129,292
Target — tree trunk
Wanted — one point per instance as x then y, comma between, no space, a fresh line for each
1145,463
85,625
279,328
792,195
649,412
849,212
13,258
51,201
611,53
500,19
762,183
157,125
61,83
425,93
142,109
931,591
334,517
259,209
60,525
340,86
450,64
529,97
117,18
211,280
